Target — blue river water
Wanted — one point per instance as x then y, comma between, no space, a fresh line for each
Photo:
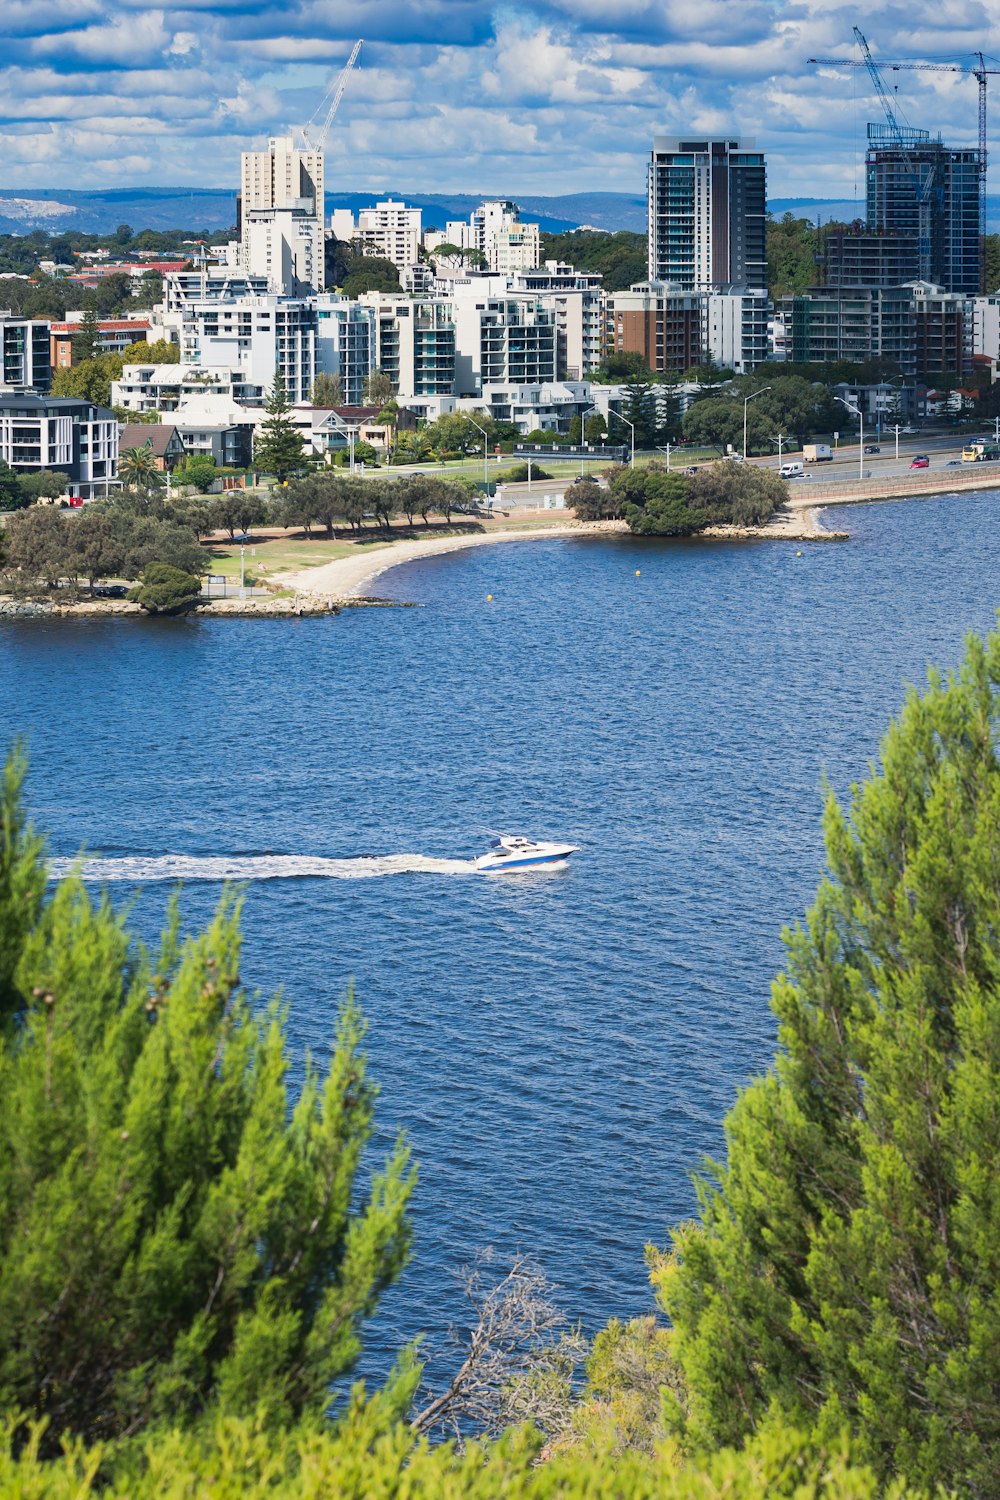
560,1048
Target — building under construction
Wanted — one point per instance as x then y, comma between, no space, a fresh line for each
919,187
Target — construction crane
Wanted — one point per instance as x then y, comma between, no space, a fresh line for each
980,73
315,139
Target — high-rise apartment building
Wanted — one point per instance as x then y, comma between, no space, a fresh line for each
280,219
707,212
282,177
924,189
390,230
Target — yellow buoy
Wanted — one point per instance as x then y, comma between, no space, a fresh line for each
489,598
798,554
637,572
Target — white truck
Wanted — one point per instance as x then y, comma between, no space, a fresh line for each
816,453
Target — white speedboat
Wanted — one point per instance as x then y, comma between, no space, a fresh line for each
511,852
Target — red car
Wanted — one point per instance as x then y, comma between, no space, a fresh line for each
920,462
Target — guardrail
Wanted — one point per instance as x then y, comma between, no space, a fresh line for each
922,482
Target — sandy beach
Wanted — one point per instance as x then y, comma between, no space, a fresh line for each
352,577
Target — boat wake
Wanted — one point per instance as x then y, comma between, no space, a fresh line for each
140,869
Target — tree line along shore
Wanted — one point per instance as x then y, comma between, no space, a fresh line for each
136,534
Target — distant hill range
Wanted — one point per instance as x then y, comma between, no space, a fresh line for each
101,211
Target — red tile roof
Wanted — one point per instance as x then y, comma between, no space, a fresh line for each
108,325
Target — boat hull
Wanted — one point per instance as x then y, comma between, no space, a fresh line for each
491,865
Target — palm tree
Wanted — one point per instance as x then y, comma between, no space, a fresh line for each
137,469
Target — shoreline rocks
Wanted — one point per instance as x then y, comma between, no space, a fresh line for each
302,607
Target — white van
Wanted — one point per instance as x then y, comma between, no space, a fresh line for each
791,471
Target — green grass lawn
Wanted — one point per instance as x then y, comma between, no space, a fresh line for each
268,556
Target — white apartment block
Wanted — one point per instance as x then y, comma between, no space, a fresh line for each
282,177
414,343
210,284
165,388
253,334
495,229
224,320
286,248
345,343
581,311
734,330
576,297
390,230
508,339
70,436
456,346
514,247
986,326
532,408
281,217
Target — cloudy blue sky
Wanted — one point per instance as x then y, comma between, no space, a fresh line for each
543,96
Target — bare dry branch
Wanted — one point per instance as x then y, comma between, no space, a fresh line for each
518,1355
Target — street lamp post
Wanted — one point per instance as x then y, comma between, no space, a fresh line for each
779,438
665,449
861,436
583,431
243,564
746,402
486,453
631,428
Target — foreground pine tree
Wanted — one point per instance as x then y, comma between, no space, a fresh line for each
278,447
174,1239
846,1266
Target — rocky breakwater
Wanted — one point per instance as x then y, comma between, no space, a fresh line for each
297,607
798,524
53,609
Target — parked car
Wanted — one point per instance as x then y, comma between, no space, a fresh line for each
920,462
872,448
691,469
909,430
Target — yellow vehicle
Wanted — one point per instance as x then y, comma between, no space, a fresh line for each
981,453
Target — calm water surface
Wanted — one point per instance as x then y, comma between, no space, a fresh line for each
561,1048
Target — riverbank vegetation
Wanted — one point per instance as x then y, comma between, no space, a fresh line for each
656,501
188,1260
45,548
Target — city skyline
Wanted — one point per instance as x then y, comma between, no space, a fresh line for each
534,98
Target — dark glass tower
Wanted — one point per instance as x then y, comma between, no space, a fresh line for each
707,210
